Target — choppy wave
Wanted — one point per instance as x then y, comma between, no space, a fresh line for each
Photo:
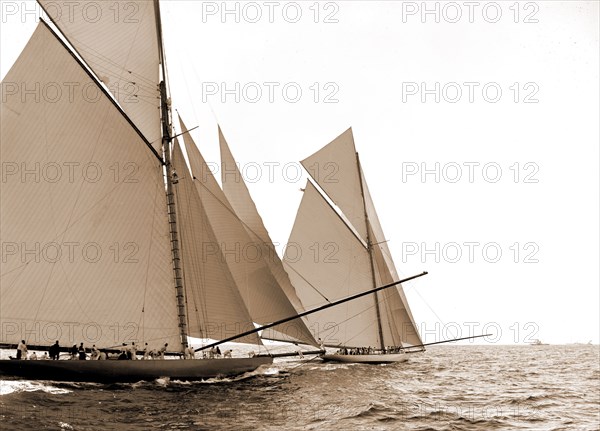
8,387
447,388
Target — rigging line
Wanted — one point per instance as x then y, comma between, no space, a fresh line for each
158,192
22,267
198,295
103,71
80,218
423,299
428,306
108,60
227,204
387,296
323,307
37,311
348,226
104,61
180,213
77,220
204,226
80,189
163,60
16,268
201,294
88,71
227,207
368,231
182,263
73,295
356,315
245,225
285,262
339,212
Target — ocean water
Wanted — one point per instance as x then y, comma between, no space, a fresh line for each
446,388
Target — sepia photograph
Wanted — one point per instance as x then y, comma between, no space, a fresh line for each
300,215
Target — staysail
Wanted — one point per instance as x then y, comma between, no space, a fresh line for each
215,308
86,254
122,50
263,296
238,195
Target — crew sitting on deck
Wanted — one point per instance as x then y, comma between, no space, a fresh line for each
73,351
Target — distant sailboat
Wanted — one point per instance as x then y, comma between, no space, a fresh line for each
537,342
341,251
92,250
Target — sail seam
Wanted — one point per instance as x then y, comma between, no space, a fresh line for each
95,79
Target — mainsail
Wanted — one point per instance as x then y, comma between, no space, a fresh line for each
243,255
339,253
83,226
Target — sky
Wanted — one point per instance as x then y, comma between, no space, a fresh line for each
476,124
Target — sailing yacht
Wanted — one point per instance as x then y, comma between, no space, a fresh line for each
339,249
108,237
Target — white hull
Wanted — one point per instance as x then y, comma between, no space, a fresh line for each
367,359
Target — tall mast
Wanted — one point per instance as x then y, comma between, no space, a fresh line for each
370,249
166,148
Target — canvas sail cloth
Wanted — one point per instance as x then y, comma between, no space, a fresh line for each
260,291
118,40
335,260
326,260
238,195
83,226
215,308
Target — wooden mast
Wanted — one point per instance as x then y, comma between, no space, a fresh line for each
370,250
166,148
